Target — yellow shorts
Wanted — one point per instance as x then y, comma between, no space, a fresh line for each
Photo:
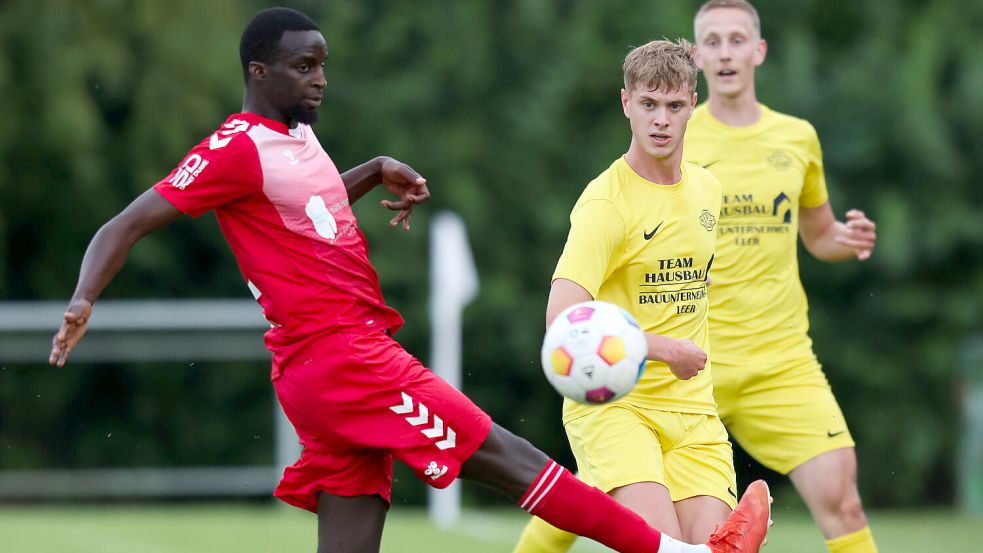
783,415
616,445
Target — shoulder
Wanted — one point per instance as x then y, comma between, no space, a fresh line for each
700,120
795,126
226,154
702,177
700,113
231,135
601,197
604,186
229,143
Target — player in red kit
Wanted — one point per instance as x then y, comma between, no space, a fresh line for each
357,399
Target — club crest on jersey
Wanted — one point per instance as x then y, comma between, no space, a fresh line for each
780,160
185,174
707,220
291,158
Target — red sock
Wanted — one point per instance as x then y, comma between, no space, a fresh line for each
557,497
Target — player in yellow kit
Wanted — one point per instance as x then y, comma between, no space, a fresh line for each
771,390
769,387
642,236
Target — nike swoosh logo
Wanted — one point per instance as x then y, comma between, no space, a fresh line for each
731,492
649,235
707,166
834,434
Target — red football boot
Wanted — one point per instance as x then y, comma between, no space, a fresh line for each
746,529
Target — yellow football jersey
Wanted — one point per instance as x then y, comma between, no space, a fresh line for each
648,247
758,309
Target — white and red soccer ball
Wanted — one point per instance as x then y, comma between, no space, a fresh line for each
594,352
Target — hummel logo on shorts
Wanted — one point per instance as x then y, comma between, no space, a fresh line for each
422,417
433,472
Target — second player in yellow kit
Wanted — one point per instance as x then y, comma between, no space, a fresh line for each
770,388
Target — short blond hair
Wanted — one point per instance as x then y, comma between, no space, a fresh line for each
742,5
661,65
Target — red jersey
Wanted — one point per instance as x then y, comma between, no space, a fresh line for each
284,211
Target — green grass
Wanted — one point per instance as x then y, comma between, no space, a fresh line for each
246,529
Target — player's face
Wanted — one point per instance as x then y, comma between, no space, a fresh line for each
296,78
658,118
728,48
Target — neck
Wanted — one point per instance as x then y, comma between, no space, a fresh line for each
664,171
255,103
737,111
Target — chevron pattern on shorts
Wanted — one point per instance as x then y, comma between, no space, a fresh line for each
422,417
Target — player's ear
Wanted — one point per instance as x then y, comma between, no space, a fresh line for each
257,70
696,57
760,52
624,101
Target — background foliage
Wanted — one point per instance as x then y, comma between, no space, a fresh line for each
509,107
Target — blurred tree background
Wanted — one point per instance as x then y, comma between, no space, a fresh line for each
509,107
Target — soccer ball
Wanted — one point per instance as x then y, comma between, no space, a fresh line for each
594,352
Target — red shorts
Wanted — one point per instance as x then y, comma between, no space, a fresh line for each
356,402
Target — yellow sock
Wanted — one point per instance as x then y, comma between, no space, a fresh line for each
540,536
861,541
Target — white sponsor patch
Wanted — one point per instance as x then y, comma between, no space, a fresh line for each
324,221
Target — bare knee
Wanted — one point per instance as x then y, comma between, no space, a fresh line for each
848,508
828,483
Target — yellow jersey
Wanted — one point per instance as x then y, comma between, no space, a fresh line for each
768,170
648,247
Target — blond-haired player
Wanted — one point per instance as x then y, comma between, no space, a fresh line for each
771,390
642,236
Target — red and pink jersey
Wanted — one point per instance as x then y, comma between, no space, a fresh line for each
283,208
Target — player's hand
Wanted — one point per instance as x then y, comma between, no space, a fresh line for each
685,359
860,234
73,327
401,180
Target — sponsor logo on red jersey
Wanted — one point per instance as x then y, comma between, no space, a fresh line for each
185,174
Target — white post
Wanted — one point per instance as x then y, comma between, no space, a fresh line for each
453,284
286,444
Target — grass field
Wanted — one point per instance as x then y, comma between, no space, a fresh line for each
246,529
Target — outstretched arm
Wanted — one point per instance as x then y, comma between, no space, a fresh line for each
399,178
831,240
103,259
685,358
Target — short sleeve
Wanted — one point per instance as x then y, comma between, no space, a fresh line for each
814,193
212,175
594,244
